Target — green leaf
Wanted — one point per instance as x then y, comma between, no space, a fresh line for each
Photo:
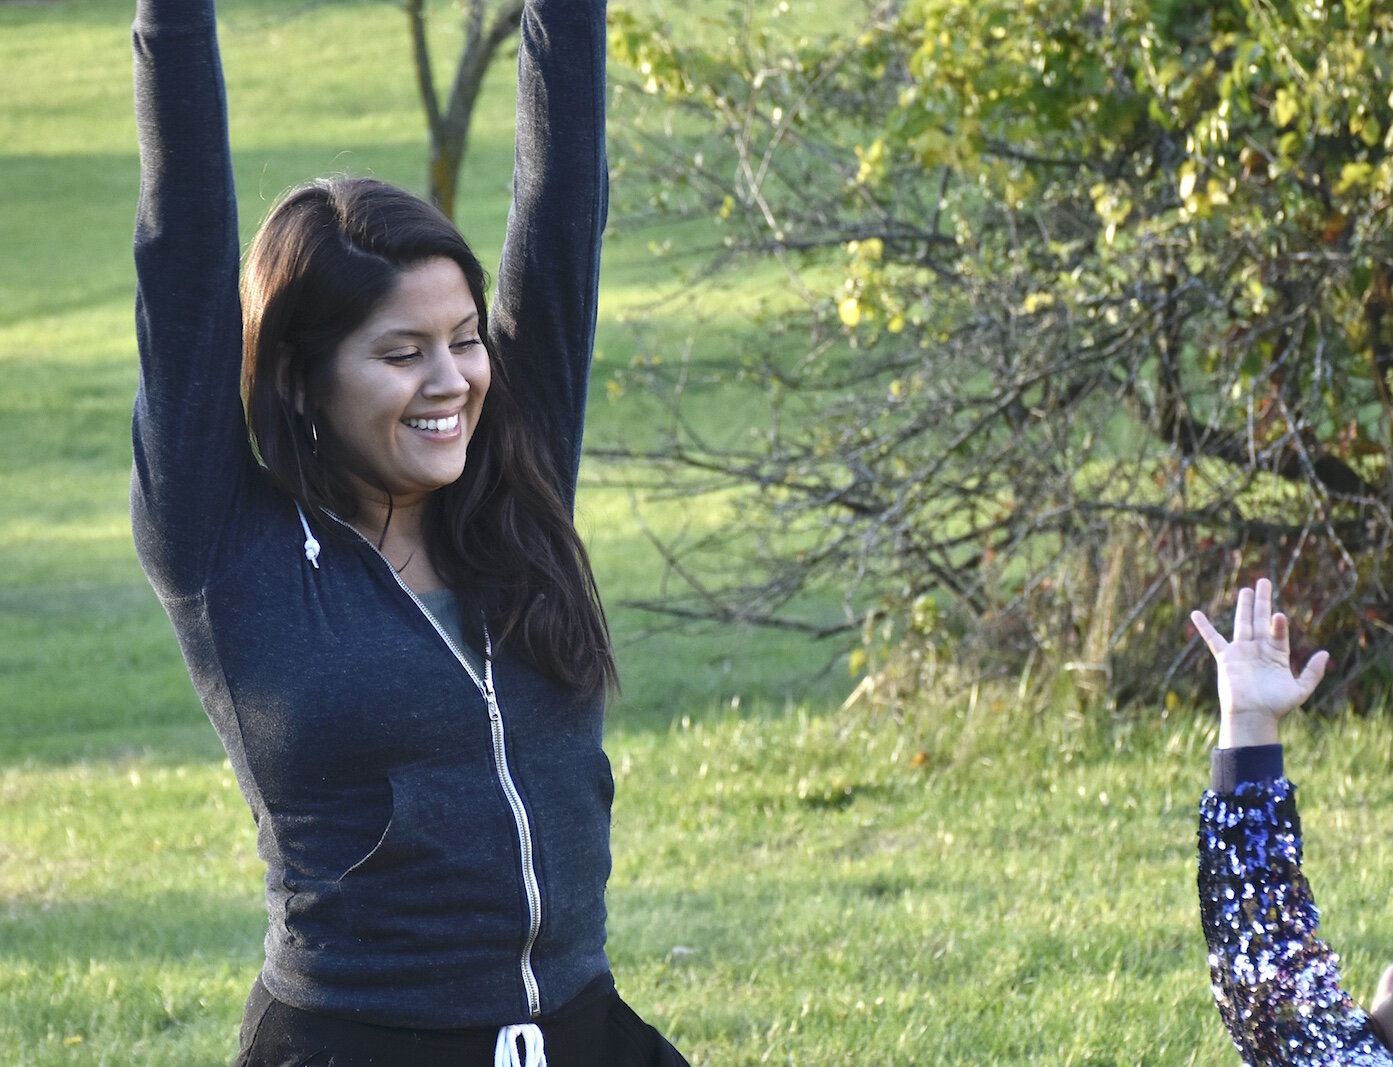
1352,176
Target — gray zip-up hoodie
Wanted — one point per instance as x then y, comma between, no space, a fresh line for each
436,843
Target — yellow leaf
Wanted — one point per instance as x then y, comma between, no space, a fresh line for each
1285,107
1187,180
1018,189
871,161
1368,129
1170,70
849,310
856,662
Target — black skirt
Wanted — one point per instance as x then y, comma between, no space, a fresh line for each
597,1029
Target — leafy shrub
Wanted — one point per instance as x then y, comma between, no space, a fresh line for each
1084,313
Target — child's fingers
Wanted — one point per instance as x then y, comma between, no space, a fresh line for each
1262,607
1310,677
1243,616
1212,637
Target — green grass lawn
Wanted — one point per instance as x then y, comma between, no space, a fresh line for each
788,888
792,884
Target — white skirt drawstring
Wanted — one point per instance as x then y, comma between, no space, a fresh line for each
505,1052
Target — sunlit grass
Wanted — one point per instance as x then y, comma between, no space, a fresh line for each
968,885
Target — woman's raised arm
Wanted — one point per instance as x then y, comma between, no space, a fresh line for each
189,432
542,322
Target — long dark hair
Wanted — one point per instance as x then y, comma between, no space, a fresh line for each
321,262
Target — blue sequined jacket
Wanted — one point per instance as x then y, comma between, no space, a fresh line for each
1276,983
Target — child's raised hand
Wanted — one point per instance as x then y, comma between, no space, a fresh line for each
1256,685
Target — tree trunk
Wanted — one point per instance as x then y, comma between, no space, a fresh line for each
449,129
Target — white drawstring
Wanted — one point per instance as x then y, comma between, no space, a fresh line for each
311,545
505,1052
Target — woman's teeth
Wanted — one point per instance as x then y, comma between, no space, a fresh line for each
440,425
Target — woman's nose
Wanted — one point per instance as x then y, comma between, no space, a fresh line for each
446,375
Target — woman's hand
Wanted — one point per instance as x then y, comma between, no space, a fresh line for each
1256,686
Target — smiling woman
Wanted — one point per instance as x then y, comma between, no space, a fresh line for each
398,385
379,590
402,400
371,353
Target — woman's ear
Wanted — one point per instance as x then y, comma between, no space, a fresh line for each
290,391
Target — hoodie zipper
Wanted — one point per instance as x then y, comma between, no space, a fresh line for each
531,886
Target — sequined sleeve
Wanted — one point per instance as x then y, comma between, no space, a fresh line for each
1275,982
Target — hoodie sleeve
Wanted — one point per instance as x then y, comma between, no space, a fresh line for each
543,320
189,432
1276,984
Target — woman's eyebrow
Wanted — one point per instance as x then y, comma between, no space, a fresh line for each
409,334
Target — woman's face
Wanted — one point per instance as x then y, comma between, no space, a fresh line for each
405,388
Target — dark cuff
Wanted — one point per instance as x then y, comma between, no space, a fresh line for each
167,18
1253,763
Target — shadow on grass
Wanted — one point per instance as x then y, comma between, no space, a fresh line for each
168,926
92,671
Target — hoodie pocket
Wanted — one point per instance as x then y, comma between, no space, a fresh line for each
445,858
